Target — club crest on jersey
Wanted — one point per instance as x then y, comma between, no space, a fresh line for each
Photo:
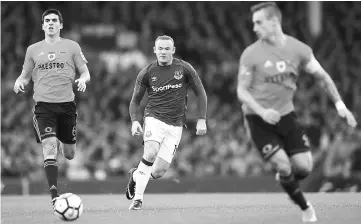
178,75
154,79
281,66
148,134
51,56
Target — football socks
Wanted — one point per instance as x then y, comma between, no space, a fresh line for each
51,171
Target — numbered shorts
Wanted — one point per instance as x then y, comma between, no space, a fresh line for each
287,134
167,135
55,120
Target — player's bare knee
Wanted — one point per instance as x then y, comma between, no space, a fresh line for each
50,148
150,154
69,155
69,151
151,149
281,163
160,167
306,168
283,167
302,164
301,172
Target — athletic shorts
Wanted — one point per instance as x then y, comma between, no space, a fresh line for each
167,135
287,134
55,120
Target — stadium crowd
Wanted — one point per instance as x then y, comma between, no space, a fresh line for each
117,39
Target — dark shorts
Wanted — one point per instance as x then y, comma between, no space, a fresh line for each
287,134
55,120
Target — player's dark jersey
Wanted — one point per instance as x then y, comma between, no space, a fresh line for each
53,69
167,91
275,71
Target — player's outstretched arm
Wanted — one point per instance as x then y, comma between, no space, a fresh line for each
313,67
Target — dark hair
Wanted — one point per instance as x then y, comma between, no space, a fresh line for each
271,9
52,11
164,37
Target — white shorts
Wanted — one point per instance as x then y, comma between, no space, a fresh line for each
167,135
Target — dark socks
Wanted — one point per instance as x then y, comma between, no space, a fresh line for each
51,171
292,188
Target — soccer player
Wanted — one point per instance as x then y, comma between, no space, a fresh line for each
166,81
51,64
269,69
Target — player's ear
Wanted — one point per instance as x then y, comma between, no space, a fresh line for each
173,50
61,25
154,49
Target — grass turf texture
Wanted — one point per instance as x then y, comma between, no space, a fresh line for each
334,208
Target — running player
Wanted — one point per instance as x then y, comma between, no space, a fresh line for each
166,80
51,64
269,69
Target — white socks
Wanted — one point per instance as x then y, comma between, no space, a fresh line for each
141,177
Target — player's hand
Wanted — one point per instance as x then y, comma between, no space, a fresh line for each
201,127
271,116
345,113
81,84
136,128
19,86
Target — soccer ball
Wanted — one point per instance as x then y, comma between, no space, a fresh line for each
68,207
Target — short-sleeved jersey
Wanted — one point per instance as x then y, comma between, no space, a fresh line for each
53,67
274,72
167,90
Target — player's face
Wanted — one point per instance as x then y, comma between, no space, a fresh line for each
262,26
164,49
52,25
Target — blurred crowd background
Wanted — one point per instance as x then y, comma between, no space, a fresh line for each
117,38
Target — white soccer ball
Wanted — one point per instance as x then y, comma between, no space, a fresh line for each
68,207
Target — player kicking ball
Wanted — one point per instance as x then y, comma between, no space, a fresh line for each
269,69
51,64
166,81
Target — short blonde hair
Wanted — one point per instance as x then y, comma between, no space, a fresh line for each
164,37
